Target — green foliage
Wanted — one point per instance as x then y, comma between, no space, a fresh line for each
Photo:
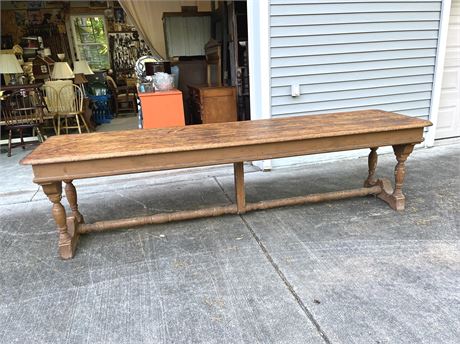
92,41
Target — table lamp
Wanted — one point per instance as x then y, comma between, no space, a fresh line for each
80,69
9,64
62,70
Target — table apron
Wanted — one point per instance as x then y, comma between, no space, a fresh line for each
45,173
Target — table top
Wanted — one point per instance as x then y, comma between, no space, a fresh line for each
19,86
106,145
174,91
206,86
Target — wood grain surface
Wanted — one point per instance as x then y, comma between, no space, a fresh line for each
71,148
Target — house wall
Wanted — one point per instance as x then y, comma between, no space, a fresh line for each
351,55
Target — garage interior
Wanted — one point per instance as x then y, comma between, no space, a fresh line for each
97,46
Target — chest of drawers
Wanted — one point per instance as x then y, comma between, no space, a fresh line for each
212,104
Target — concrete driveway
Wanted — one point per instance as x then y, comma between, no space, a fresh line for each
351,271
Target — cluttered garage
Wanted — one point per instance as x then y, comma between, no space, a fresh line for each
73,67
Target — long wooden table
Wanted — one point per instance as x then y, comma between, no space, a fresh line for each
68,157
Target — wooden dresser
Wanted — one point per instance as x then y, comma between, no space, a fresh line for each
212,104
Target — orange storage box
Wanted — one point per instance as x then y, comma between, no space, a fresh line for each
162,109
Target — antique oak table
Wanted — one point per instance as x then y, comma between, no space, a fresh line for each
68,157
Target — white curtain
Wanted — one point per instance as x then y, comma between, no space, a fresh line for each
139,13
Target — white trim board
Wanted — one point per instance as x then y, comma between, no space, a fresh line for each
259,58
259,64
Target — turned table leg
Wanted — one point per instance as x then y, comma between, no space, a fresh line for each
67,242
71,194
393,196
372,163
402,152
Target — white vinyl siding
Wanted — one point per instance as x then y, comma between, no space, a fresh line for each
350,55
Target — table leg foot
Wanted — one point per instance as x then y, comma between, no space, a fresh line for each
68,248
396,202
394,197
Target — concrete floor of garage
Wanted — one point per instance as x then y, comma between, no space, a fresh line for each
350,271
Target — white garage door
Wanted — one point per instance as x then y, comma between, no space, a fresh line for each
449,109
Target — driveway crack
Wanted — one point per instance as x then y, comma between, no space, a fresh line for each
281,275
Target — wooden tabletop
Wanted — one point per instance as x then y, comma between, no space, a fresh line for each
20,86
93,146
174,91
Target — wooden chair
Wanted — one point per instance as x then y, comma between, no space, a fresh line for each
122,95
51,98
22,110
70,108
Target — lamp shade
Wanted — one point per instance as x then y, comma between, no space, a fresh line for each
9,64
62,70
82,67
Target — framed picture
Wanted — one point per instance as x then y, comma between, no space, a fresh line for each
35,17
119,15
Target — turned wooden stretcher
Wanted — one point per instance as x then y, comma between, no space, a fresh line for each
69,157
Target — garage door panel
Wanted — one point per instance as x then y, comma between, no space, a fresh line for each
447,120
450,80
449,110
453,36
449,98
452,58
